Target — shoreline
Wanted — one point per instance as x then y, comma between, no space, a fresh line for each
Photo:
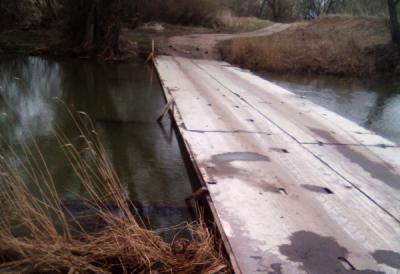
270,49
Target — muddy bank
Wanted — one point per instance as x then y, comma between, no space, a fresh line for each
204,46
134,43
51,42
20,41
176,40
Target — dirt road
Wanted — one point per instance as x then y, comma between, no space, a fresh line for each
203,46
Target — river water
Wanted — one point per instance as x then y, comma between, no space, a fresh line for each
372,103
124,100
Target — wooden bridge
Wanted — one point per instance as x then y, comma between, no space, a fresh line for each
294,187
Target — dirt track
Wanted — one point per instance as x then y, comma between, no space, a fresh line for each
203,45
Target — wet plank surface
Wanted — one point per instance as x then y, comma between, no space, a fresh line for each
295,187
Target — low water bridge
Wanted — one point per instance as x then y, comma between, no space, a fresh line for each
294,187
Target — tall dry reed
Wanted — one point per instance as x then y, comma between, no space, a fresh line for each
37,233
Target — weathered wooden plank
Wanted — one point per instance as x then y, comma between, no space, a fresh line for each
278,104
366,171
344,128
282,208
265,203
308,123
205,112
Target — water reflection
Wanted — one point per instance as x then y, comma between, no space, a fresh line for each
25,87
372,103
123,102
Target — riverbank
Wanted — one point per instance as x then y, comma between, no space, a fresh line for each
51,42
134,43
205,46
333,45
20,41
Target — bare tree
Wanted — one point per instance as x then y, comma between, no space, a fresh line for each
315,8
394,20
246,7
262,7
47,9
94,25
276,9
273,5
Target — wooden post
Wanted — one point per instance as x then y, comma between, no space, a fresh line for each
165,110
152,54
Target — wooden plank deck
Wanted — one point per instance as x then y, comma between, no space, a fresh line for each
295,188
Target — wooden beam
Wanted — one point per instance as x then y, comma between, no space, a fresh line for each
165,110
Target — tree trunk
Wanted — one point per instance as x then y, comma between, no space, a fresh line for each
275,10
274,6
394,21
51,9
249,2
264,2
329,6
111,47
89,38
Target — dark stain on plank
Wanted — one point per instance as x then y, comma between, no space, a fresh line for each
221,164
240,156
387,257
318,254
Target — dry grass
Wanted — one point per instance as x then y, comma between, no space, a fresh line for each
227,22
330,45
37,235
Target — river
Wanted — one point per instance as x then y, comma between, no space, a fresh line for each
124,101
373,103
